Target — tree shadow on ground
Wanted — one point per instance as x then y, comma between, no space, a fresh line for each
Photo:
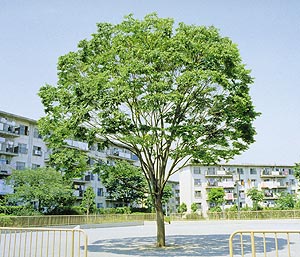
181,245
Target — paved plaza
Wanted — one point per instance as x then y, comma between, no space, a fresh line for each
193,238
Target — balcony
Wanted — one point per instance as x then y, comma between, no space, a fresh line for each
273,184
229,196
77,144
8,130
274,174
270,196
117,153
4,188
5,170
226,184
219,173
8,149
78,193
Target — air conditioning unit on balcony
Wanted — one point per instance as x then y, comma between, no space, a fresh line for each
38,152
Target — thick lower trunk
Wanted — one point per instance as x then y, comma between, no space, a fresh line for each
160,224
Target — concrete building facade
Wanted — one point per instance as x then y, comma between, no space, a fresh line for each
196,181
21,146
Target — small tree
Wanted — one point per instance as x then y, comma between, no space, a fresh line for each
182,208
88,200
256,196
285,201
216,196
194,207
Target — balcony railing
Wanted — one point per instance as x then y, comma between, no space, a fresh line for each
5,169
274,173
121,154
273,184
4,188
8,130
8,149
219,173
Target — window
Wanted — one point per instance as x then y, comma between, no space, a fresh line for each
253,182
36,133
22,130
240,170
22,148
197,170
100,192
197,182
35,166
37,151
291,172
99,205
253,171
197,194
20,166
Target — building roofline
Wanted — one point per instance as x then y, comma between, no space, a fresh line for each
244,165
11,115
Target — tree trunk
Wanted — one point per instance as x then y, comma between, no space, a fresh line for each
160,224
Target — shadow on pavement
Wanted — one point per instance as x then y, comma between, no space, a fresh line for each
179,246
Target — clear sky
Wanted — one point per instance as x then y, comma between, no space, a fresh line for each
33,34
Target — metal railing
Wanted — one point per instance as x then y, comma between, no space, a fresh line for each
249,215
42,242
258,243
70,220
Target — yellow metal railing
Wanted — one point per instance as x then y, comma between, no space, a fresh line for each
42,242
264,243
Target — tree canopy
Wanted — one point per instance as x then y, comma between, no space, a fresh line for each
44,188
256,196
216,196
124,182
168,94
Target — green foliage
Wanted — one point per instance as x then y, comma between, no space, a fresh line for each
124,182
194,207
5,221
18,210
216,196
43,188
285,201
88,200
297,205
256,196
182,208
118,210
297,171
215,209
167,94
233,208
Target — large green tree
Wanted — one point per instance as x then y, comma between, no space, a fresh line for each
124,182
168,94
44,188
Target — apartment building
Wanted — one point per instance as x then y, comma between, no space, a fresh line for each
21,146
196,181
174,202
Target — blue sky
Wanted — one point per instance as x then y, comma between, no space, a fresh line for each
33,34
